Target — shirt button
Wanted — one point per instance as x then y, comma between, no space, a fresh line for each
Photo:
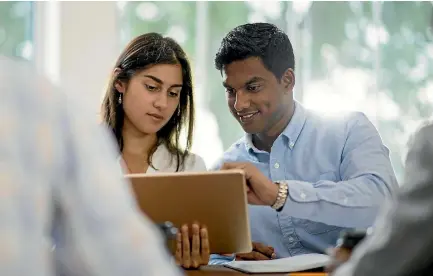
291,145
276,165
291,239
303,196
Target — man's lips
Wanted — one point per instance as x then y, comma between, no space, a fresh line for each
246,117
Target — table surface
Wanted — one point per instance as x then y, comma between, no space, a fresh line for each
222,271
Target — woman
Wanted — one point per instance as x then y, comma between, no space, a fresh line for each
148,103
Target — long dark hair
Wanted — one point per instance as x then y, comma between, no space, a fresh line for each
143,52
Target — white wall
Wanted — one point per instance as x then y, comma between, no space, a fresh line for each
76,44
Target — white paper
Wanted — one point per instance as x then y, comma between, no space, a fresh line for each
290,264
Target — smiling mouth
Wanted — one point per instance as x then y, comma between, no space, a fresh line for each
248,117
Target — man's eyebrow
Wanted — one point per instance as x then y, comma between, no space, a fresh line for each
250,81
226,85
253,80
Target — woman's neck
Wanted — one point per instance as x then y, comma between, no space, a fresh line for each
136,148
138,145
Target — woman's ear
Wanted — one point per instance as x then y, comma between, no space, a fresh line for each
119,85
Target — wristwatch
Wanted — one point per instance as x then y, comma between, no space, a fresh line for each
283,191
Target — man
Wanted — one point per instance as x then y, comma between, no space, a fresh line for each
59,170
319,174
402,240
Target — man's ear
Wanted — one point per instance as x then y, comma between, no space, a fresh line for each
288,79
119,85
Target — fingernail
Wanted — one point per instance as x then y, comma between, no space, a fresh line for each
273,255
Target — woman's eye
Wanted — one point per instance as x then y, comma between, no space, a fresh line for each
151,88
173,94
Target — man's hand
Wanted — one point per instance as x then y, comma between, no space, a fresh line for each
196,255
260,190
338,257
260,252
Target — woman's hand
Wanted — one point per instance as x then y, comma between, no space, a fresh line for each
195,253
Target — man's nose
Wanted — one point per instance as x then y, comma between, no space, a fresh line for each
242,101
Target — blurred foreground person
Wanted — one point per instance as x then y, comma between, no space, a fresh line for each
402,240
59,170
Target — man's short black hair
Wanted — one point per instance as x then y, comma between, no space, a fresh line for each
263,40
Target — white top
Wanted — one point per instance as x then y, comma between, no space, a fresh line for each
164,161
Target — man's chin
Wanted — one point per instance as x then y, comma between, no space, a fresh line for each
250,129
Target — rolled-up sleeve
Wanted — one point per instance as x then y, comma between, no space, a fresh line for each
367,181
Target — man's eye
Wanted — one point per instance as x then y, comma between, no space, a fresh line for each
230,91
253,88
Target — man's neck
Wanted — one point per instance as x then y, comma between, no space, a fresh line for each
263,142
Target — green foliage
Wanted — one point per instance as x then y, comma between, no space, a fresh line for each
224,16
15,26
168,14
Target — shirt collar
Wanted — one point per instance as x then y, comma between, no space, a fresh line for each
291,132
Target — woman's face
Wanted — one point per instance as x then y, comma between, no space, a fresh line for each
151,97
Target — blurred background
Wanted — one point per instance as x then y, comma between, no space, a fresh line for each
374,57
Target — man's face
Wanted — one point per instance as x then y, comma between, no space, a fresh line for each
256,98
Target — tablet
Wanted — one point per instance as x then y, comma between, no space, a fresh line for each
216,199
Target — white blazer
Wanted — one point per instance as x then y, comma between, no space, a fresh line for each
164,161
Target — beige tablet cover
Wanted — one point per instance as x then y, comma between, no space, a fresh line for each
216,199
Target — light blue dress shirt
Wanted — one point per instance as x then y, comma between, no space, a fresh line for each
338,171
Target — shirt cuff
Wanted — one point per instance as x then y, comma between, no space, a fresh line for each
328,206
332,193
302,192
216,259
